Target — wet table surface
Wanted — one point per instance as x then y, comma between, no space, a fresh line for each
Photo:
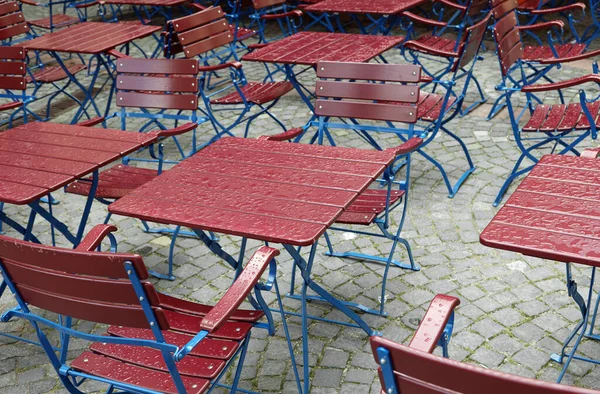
270,191
382,7
554,213
90,37
308,48
39,158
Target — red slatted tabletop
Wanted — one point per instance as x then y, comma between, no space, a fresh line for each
149,3
381,7
39,158
265,190
90,37
554,213
308,48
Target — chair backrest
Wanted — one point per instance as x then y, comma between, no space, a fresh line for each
12,21
506,35
13,68
476,7
198,33
472,42
416,372
92,286
157,83
355,97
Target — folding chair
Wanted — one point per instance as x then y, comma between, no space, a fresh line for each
163,90
413,369
206,34
437,48
13,84
154,342
55,19
526,64
561,125
278,11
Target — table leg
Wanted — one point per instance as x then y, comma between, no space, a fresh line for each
579,331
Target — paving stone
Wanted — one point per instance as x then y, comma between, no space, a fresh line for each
334,358
487,358
327,377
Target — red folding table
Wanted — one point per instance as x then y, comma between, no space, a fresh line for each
381,15
264,190
95,39
308,48
555,214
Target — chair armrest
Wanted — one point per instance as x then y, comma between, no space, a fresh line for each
560,9
92,122
417,46
585,55
117,54
591,153
543,25
432,326
11,105
544,87
236,65
31,2
453,4
285,136
296,13
422,19
240,289
184,128
407,147
253,47
94,238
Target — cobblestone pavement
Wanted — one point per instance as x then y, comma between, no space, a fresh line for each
514,310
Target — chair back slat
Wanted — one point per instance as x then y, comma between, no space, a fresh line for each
366,110
368,91
14,30
198,19
157,66
418,372
504,26
13,68
511,57
93,286
11,19
258,4
474,39
200,47
9,8
13,83
477,7
156,100
203,32
158,84
503,7
13,53
369,71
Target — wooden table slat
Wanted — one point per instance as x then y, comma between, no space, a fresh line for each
383,7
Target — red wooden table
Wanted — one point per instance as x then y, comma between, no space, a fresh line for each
555,214
37,159
92,38
308,48
264,190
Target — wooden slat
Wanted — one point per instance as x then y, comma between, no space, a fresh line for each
14,30
33,177
203,32
368,91
162,101
209,44
13,68
157,66
57,152
13,83
11,19
198,19
13,53
370,71
373,111
20,194
158,84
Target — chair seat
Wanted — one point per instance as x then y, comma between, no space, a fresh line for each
146,367
55,73
436,43
561,117
257,93
115,182
541,52
58,20
367,206
429,105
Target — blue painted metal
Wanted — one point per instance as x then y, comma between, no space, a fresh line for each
387,370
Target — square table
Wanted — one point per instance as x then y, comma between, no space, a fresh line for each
39,158
555,214
378,12
264,190
308,48
91,38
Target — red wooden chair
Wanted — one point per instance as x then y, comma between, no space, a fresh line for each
413,369
154,342
13,84
206,34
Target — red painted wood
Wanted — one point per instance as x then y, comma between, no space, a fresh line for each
58,20
266,222
13,53
162,101
149,3
109,368
157,66
560,117
14,30
90,37
11,19
198,19
382,7
57,152
13,83
370,71
309,48
367,91
189,324
266,3
433,323
256,92
194,308
235,295
203,32
94,237
56,73
9,7
475,36
374,111
115,182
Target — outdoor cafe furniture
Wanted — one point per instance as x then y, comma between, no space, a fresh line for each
95,39
207,35
270,191
554,215
155,343
161,93
380,16
561,126
413,369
